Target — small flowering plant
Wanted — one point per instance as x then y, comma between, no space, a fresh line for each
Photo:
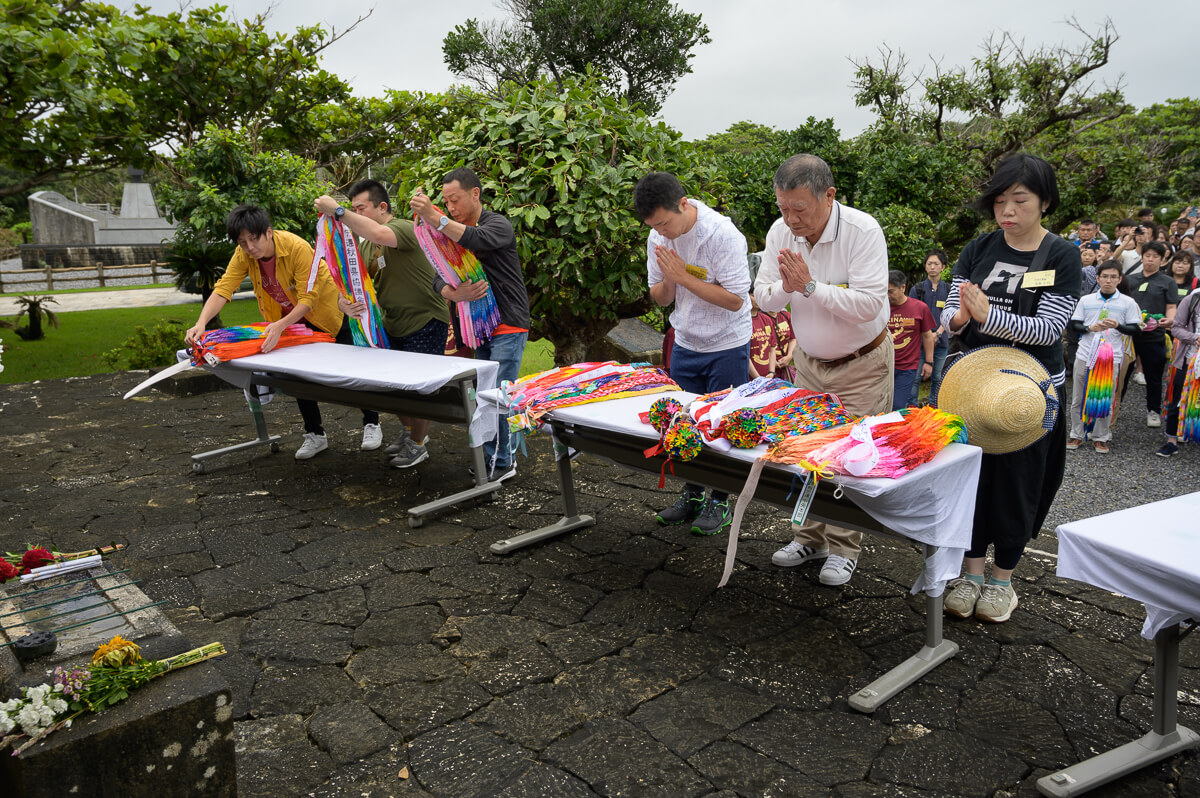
116,669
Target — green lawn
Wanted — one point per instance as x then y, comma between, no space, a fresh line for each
75,347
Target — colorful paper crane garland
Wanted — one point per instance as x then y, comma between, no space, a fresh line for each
478,318
1098,396
336,246
228,343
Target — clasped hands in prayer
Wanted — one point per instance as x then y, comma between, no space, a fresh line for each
973,305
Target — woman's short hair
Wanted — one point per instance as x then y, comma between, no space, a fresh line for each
941,253
1023,169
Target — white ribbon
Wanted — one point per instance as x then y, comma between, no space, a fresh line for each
860,459
357,291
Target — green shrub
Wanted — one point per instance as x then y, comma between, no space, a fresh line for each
148,348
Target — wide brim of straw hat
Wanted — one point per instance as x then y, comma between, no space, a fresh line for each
1003,412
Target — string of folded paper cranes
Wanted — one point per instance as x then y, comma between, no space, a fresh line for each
479,318
1098,396
228,343
340,253
1189,403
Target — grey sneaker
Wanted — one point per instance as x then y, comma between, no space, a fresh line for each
961,597
713,518
996,604
794,554
686,509
412,454
1153,419
372,437
313,445
397,445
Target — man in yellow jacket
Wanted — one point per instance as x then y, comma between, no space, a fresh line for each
279,265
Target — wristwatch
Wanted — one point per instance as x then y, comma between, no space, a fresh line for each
339,213
809,287
445,220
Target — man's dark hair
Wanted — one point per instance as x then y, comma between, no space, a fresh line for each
1088,222
464,177
1127,222
1155,246
247,219
941,253
1108,244
897,278
1027,170
657,190
1108,264
376,193
804,170
1145,212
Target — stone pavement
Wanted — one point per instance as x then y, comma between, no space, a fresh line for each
602,663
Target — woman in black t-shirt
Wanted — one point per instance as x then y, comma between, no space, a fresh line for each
993,302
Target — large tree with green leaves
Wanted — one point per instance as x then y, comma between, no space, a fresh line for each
939,134
87,87
560,162
638,48
226,168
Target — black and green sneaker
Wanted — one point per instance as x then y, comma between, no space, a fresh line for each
713,518
684,510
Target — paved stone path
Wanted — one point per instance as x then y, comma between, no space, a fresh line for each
100,300
603,663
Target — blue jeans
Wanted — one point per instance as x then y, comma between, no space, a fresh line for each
905,382
939,365
705,372
506,350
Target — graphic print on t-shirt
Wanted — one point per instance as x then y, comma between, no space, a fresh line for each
1007,273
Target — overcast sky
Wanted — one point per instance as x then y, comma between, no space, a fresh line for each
772,62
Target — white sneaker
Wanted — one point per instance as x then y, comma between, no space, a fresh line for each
837,570
795,553
1153,419
1139,378
313,444
372,437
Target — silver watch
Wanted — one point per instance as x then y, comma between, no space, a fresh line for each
809,287
445,220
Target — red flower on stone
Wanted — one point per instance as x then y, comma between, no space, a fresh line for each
36,558
7,571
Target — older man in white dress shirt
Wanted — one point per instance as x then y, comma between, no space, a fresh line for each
829,262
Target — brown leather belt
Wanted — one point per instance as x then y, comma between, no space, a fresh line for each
841,361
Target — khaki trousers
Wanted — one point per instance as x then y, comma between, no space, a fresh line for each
865,387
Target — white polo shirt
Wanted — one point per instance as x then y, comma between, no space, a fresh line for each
849,261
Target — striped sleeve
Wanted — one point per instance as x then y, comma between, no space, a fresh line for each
951,306
1053,313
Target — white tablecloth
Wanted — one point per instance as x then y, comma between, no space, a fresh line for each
1149,553
360,368
934,503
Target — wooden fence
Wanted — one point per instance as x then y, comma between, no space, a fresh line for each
14,281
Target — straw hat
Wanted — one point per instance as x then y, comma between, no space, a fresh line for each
1004,396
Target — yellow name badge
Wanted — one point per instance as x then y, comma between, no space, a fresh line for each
1042,279
697,271
941,303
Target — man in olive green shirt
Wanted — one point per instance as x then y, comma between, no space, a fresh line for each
415,317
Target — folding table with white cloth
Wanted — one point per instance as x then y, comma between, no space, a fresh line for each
1150,554
932,505
435,387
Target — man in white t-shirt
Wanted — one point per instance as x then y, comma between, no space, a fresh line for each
1104,315
697,259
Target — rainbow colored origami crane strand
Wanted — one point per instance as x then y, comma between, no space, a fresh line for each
336,246
454,263
228,343
1098,398
532,397
1189,403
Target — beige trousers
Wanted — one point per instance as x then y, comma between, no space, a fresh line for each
865,387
